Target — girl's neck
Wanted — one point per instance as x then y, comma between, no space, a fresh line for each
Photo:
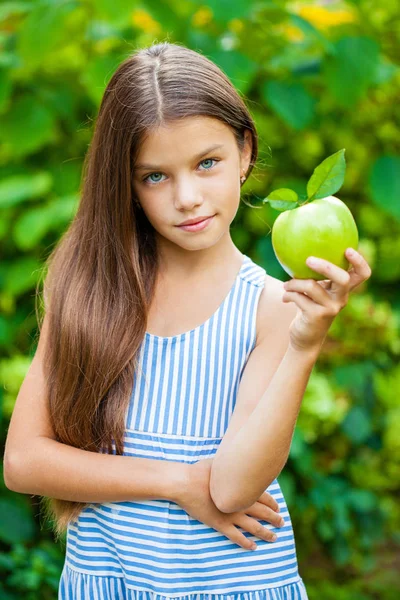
198,265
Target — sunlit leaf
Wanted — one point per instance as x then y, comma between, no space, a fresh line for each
18,188
116,12
282,199
328,177
33,224
43,30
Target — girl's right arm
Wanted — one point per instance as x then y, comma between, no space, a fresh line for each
48,468
35,463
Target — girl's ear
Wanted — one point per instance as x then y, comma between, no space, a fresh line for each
246,152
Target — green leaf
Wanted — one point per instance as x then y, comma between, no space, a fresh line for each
98,73
34,224
222,9
310,31
10,9
384,184
282,199
18,188
240,69
43,31
352,68
117,12
20,275
362,500
166,12
28,127
18,526
291,102
357,425
385,71
327,177
5,88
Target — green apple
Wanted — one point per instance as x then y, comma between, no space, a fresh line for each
323,228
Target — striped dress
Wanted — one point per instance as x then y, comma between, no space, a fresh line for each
180,407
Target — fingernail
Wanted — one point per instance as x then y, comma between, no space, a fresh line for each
350,252
274,538
254,547
281,522
312,260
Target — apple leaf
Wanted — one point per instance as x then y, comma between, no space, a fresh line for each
328,177
282,199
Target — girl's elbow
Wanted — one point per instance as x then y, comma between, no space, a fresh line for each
223,507
10,473
232,505
223,501
216,497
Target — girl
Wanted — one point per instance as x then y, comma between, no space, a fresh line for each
160,405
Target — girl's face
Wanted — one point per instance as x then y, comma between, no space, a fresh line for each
186,170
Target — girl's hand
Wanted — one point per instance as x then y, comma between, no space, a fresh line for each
197,502
320,301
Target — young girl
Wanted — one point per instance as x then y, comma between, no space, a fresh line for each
159,407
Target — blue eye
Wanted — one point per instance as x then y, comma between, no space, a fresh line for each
205,160
151,175
152,182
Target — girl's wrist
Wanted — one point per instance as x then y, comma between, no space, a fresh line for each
310,354
179,481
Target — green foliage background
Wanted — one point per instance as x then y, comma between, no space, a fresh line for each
318,77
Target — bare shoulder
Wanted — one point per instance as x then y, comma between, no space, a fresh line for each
273,315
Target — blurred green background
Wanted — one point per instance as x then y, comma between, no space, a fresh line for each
317,77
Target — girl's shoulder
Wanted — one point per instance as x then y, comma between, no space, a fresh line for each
252,272
273,315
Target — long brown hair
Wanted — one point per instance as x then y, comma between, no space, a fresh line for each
101,275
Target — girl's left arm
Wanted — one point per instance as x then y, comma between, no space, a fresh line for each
256,445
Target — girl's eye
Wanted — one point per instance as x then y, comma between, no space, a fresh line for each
152,182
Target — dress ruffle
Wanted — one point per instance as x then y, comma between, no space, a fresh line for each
81,586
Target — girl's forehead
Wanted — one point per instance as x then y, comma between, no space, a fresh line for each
197,125
190,137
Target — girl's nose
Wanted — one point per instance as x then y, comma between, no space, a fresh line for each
187,195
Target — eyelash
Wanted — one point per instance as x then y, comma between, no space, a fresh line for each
145,180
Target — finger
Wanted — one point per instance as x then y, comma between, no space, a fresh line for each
300,300
325,283
237,537
256,528
265,513
361,271
311,288
269,500
339,277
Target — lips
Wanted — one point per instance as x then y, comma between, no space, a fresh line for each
195,221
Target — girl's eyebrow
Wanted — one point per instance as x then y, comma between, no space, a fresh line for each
197,157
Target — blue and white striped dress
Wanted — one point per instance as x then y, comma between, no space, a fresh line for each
180,408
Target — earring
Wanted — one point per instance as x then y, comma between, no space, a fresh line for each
243,179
